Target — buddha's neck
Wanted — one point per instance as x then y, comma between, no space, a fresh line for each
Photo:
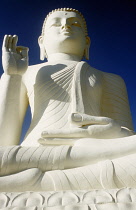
60,57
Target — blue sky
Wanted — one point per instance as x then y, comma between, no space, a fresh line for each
111,27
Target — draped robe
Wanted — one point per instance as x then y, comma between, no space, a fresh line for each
76,88
88,91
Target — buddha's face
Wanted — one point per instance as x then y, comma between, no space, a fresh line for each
64,33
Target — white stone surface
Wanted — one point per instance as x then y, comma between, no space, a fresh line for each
123,199
81,134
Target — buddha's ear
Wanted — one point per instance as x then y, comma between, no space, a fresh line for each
86,52
43,54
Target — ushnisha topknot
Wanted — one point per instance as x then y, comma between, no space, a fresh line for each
69,10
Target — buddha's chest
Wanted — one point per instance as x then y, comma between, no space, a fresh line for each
54,84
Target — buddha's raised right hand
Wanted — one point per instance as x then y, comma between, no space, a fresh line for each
14,58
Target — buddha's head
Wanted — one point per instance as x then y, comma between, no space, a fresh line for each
64,31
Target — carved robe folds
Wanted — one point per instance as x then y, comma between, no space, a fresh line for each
43,168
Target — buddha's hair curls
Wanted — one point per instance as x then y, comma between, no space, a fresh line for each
69,10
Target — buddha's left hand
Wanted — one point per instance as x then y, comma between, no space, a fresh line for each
100,127
87,126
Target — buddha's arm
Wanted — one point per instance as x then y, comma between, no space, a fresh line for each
13,105
115,102
13,100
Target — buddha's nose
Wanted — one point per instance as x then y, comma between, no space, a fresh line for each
65,25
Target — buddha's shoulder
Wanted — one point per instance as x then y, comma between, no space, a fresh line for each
110,79
30,75
33,69
104,74
114,79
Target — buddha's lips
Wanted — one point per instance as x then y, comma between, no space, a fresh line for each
66,31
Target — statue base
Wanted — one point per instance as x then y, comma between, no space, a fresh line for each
113,199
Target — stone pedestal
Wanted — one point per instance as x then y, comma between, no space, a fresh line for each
116,199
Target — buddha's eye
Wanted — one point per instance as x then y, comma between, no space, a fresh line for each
76,23
56,24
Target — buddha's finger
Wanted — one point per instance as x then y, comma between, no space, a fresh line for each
73,132
10,43
5,42
23,51
84,119
14,43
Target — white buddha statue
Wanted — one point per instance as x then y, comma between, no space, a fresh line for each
80,115
68,98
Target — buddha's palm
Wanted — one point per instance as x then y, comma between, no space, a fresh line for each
14,58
